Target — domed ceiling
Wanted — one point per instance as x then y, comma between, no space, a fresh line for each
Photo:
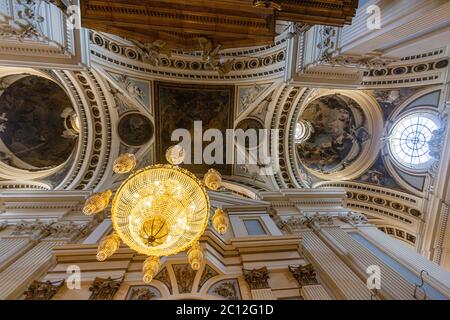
36,135
339,128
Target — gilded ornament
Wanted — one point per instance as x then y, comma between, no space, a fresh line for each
124,163
108,246
213,179
175,155
195,256
220,221
97,202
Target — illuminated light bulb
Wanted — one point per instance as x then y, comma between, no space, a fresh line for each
150,268
213,179
220,221
97,202
195,256
124,163
108,246
175,155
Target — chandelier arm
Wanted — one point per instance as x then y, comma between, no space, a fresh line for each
162,226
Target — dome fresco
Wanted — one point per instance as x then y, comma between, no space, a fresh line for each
34,136
339,130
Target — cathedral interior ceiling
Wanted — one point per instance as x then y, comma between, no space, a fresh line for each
185,25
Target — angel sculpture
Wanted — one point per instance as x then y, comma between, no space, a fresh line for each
151,52
212,58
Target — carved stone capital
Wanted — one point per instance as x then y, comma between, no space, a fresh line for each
305,275
257,278
104,289
43,290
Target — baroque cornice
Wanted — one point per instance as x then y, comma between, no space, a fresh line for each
265,63
95,111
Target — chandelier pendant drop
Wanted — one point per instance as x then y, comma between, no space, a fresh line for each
220,221
97,203
158,211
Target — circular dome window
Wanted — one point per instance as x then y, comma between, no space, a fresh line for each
34,135
409,139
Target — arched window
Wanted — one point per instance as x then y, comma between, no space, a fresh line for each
409,140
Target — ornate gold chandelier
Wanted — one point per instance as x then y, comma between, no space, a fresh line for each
159,210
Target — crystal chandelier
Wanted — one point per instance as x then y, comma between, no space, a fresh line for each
159,210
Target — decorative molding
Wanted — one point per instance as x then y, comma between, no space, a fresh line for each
355,197
143,293
58,229
227,289
398,233
257,278
418,72
354,219
294,223
267,62
360,62
130,87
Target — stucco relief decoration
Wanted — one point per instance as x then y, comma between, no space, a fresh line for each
185,277
207,274
327,43
227,289
56,229
24,23
295,222
339,134
355,218
143,293
130,87
436,143
163,276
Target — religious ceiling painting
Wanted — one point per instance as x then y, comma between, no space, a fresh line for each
40,127
378,175
339,132
178,106
389,100
135,129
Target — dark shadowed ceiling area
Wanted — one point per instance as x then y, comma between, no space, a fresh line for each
35,130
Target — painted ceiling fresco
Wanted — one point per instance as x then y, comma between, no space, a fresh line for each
35,132
135,129
177,106
339,129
